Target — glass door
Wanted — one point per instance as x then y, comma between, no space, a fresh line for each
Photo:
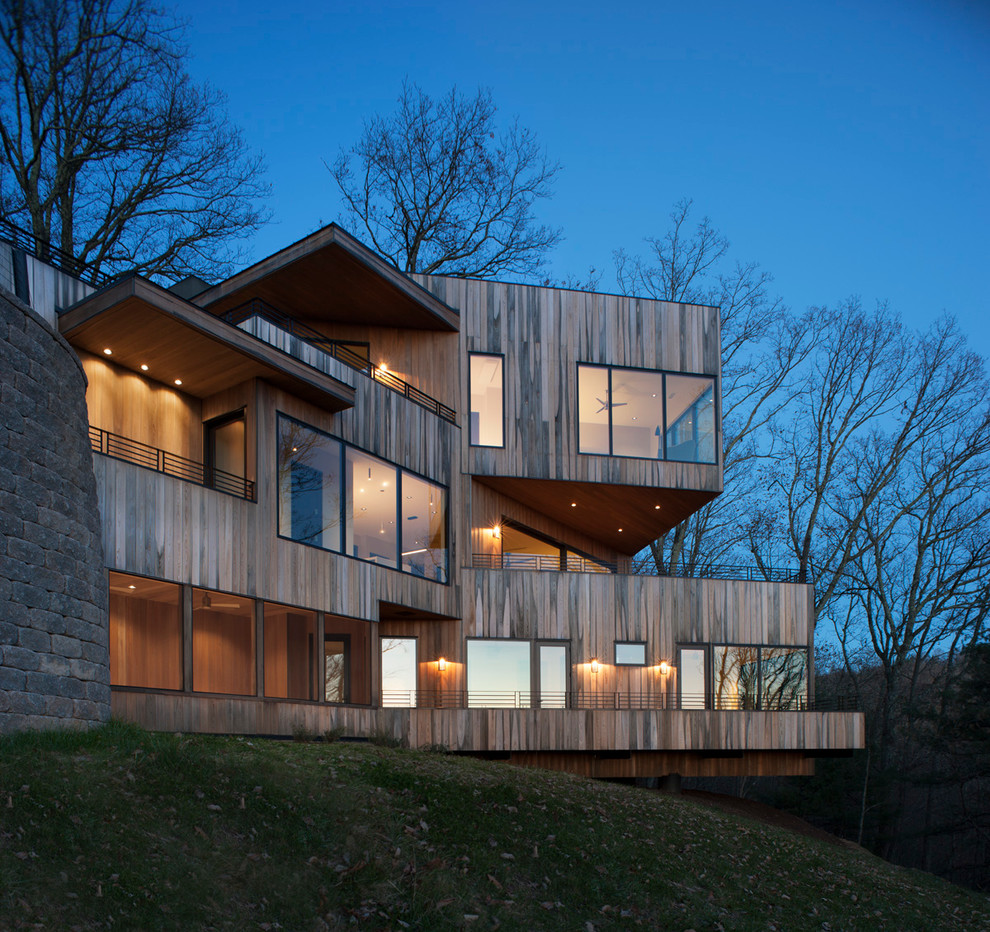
553,676
691,678
399,668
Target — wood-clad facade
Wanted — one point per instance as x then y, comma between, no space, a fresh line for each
380,569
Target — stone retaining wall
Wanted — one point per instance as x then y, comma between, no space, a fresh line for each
54,661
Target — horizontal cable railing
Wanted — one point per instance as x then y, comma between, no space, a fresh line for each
340,351
171,464
572,563
540,561
591,700
53,256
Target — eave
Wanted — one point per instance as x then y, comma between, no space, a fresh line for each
330,277
144,324
599,509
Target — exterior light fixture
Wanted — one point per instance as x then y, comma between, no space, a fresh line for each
108,352
496,532
664,668
594,664
442,664
620,530
573,504
656,507
144,367
383,367
178,381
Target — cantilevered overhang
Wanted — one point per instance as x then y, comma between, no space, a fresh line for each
330,277
600,509
145,325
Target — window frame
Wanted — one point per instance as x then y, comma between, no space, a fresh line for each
624,663
663,373
501,358
401,470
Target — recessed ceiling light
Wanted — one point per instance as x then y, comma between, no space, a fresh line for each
108,352
132,586
573,504
620,530
178,381
656,507
144,367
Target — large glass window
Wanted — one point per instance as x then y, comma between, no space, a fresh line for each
308,485
145,632
424,528
691,678
646,413
399,670
784,672
487,416
553,676
372,497
223,643
498,674
335,669
690,419
735,676
290,652
593,410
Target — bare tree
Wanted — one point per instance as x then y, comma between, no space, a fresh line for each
438,189
762,344
109,151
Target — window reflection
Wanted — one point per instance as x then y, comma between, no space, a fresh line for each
785,677
487,418
691,678
424,528
335,670
553,676
308,485
735,676
630,653
690,418
498,674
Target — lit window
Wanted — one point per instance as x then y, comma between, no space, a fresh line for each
487,414
630,653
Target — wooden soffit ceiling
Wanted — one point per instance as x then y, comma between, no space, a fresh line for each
145,325
330,276
599,510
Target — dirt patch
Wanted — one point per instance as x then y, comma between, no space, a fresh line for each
760,812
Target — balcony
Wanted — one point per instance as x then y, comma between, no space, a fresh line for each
171,464
587,700
340,351
573,563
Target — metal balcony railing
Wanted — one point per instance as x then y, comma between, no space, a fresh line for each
171,464
590,700
339,351
572,563
51,255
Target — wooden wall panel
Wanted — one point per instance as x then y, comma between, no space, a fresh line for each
142,409
518,731
544,333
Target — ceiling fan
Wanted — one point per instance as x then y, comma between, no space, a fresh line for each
605,404
207,602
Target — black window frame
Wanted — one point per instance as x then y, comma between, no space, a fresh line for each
622,663
486,446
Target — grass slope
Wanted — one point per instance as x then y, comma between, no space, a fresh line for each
124,829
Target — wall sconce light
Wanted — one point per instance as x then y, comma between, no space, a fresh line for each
594,664
496,532
664,668
442,664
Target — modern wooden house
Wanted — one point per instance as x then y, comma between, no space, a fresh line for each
335,496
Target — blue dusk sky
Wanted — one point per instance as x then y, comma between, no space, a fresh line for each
844,146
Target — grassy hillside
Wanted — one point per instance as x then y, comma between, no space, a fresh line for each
124,829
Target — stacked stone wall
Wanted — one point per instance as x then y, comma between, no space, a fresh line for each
54,662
